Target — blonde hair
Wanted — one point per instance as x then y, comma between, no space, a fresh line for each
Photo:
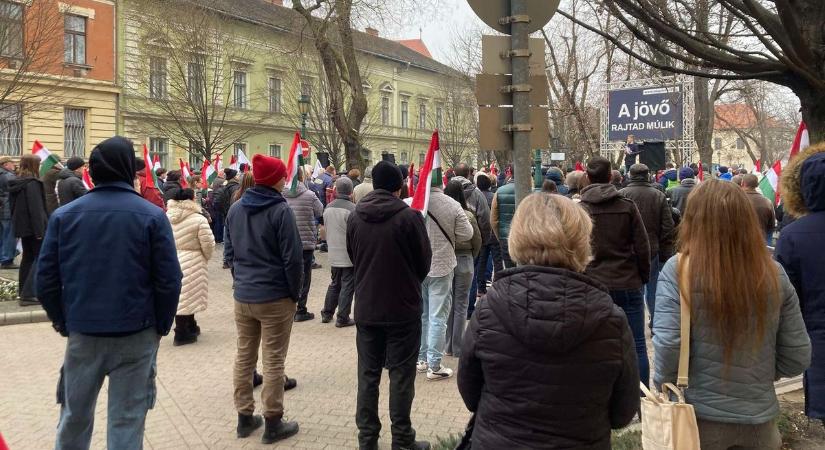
551,230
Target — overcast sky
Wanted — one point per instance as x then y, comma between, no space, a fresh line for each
436,31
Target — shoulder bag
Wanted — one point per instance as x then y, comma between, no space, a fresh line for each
667,424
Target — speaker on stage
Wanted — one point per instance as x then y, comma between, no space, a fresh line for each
653,155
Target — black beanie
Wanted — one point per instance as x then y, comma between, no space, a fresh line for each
113,160
229,173
386,176
74,163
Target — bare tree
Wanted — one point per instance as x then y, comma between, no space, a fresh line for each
192,77
455,116
776,41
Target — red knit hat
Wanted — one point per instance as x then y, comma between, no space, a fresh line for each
267,171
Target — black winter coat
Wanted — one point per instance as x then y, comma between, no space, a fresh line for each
548,362
69,187
171,189
656,215
28,207
388,245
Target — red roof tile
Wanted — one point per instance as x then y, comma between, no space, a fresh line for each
417,45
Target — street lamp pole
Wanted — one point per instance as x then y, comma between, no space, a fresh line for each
303,106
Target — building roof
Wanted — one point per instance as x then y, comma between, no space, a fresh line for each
739,116
265,13
416,44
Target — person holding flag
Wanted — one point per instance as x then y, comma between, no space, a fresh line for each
70,184
148,180
50,168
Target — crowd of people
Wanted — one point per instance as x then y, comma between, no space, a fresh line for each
550,354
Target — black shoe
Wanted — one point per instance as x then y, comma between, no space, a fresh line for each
9,266
257,379
344,323
316,266
226,265
417,445
277,430
303,317
323,248
326,318
184,340
28,301
248,424
290,383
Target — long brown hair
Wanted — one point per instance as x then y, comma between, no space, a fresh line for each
246,182
29,166
724,248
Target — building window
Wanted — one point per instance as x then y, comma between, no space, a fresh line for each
11,30
11,129
239,147
385,111
160,147
74,39
195,155
420,160
404,159
157,78
239,91
275,150
717,143
274,95
74,132
439,116
195,82
740,144
306,87
405,114
422,116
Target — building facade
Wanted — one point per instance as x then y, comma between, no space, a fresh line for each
740,137
58,78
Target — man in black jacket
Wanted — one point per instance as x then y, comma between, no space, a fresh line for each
261,241
172,185
658,219
70,186
388,245
621,253
8,243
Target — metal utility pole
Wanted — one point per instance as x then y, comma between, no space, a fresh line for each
522,159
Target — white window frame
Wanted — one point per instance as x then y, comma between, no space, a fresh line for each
160,146
275,150
74,132
240,93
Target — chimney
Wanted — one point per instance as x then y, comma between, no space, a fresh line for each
371,31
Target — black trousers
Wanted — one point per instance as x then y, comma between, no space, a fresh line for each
340,292
505,255
28,266
397,347
491,249
306,281
185,326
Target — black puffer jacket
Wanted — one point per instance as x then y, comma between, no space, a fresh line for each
28,207
548,362
656,215
69,187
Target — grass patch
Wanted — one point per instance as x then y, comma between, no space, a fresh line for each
8,291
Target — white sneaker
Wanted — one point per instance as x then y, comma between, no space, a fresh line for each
421,366
440,374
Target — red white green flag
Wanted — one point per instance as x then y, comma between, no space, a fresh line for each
801,141
151,178
769,184
156,162
428,176
184,174
47,160
208,174
293,164
87,180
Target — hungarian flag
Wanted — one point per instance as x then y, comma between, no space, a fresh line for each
801,141
293,164
208,174
411,187
429,176
579,166
151,178
184,174
233,163
243,161
701,172
769,184
87,180
218,164
47,160
156,162
757,167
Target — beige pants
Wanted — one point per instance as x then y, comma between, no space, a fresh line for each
268,325
724,436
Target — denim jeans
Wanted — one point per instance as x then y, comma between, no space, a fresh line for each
130,363
650,287
489,258
632,303
437,293
458,312
8,242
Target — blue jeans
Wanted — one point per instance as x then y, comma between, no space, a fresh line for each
457,320
130,363
650,287
437,294
632,303
8,242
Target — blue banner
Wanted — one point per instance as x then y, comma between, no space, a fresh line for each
653,113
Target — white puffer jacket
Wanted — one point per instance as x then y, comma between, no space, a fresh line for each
195,244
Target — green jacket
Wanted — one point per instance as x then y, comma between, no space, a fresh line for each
504,205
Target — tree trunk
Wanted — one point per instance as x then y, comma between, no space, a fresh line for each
703,120
813,112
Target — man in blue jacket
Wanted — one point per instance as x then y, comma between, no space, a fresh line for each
262,242
109,279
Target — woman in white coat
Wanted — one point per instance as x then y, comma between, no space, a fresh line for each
195,243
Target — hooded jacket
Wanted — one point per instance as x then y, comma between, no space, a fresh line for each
308,209
28,207
477,203
656,215
679,195
669,179
5,202
548,362
388,245
261,239
194,243
170,190
801,251
69,187
336,216
49,180
621,252
455,227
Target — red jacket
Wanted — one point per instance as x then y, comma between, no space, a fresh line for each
150,193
